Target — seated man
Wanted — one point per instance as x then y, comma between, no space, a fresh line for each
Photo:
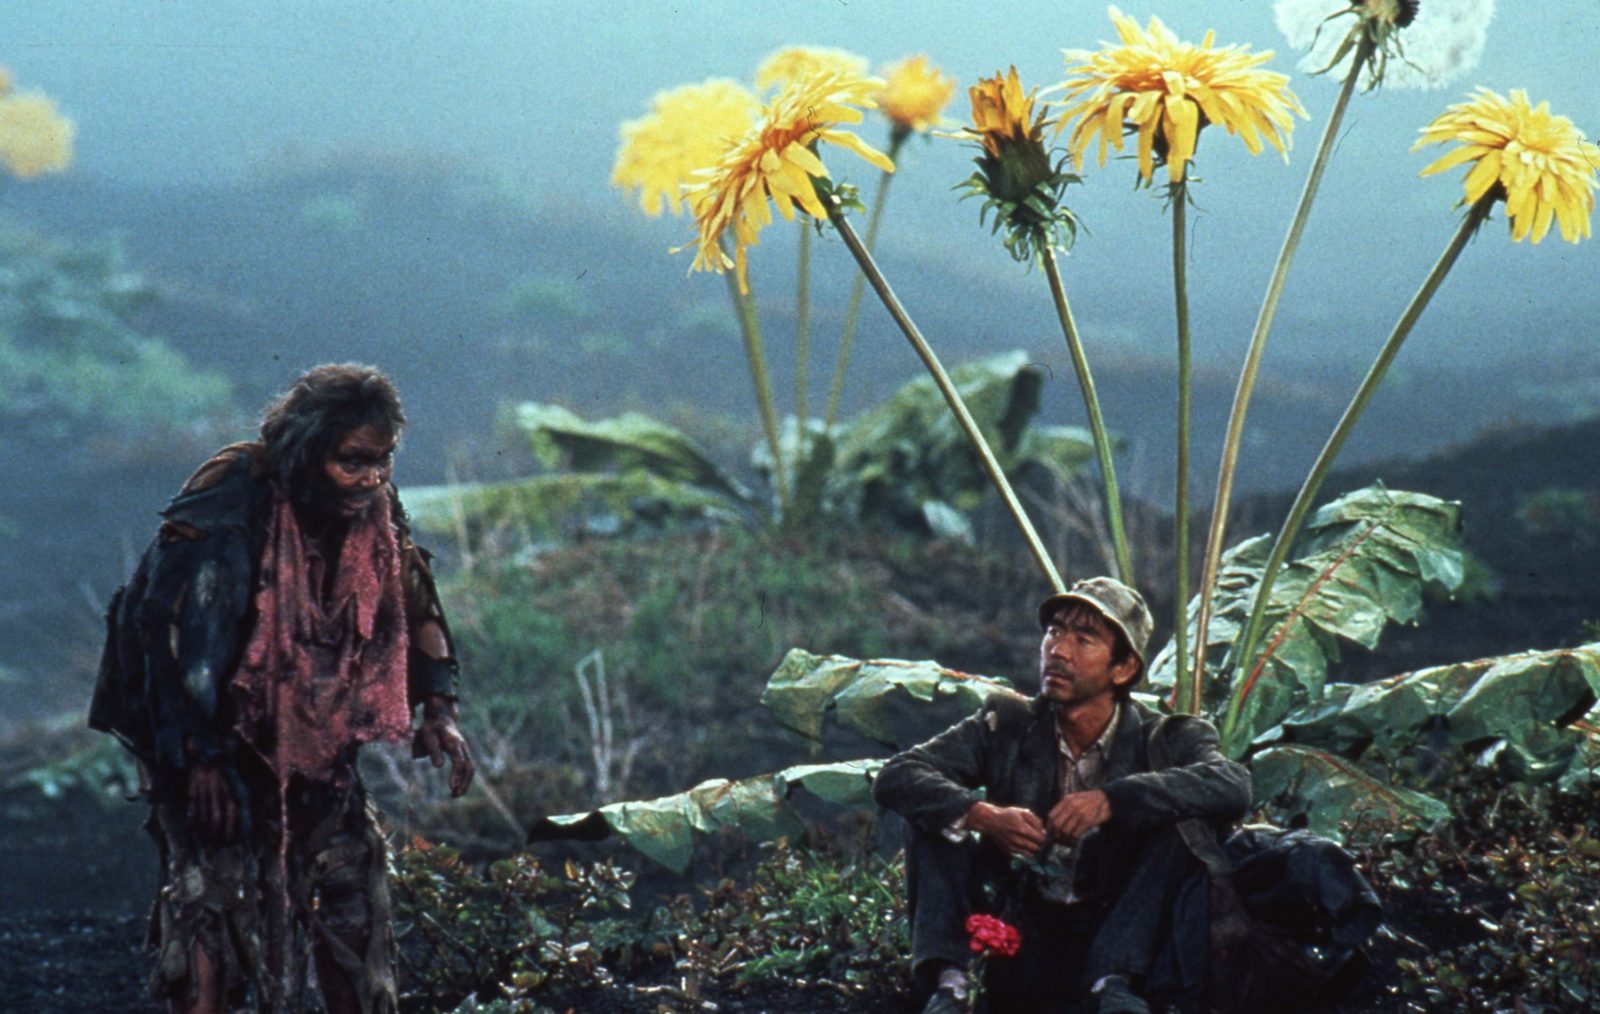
1073,798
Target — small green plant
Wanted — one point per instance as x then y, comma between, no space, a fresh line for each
808,913
1504,898
512,930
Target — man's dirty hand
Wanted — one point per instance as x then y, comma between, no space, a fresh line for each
1077,814
213,811
439,738
1015,830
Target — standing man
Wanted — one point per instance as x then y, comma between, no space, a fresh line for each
281,618
1060,814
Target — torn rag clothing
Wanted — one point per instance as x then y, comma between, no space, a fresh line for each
325,666
242,901
243,643
1129,878
175,633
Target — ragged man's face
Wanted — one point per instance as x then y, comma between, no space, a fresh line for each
357,468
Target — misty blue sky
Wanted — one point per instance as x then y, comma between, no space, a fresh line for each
200,90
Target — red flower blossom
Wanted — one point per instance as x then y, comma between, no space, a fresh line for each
992,935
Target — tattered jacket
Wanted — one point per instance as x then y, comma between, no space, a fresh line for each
175,631
1007,753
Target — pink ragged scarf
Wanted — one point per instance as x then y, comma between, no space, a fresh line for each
321,674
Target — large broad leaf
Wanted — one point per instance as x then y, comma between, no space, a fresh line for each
910,450
553,504
892,702
1515,704
629,442
1302,786
1363,562
759,808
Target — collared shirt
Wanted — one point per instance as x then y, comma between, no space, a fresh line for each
1075,773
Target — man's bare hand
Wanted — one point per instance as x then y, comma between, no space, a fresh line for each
213,811
439,738
1014,829
1077,814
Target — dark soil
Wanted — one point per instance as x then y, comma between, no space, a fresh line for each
81,962
90,962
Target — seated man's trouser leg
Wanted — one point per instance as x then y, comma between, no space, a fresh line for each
945,883
1158,926
1065,949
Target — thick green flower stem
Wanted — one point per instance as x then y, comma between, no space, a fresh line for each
755,352
1097,424
1258,344
852,313
1186,691
1247,665
952,397
802,324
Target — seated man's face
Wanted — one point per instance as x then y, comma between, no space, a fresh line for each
356,470
1075,657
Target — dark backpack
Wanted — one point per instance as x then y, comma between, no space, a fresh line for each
1290,914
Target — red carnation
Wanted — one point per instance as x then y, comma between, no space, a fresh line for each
993,936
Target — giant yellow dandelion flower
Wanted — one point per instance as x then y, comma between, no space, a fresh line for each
34,138
1015,173
775,160
1539,164
1003,119
796,63
916,93
687,128
1168,90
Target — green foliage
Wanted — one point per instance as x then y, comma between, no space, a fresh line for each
70,360
1571,514
630,442
897,458
904,464
1364,561
1336,798
514,931
53,763
1496,911
806,913
546,507
1513,709
892,702
690,624
1033,219
758,809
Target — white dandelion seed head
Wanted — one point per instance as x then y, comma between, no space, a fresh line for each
1444,42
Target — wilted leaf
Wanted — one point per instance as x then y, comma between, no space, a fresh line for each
1521,699
629,442
1304,786
893,702
548,504
847,783
666,829
1362,563
910,450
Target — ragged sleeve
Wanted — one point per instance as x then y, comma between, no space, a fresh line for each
432,666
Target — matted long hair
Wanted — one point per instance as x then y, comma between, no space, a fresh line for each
305,422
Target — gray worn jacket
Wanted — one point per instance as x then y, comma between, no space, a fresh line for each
1008,750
